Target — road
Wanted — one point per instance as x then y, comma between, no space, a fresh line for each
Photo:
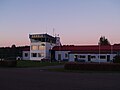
37,79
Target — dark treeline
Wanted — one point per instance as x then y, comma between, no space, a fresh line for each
10,53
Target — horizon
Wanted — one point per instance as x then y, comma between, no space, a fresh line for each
63,44
78,22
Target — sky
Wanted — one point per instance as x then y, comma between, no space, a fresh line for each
78,22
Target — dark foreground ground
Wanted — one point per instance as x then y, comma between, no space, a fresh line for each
36,79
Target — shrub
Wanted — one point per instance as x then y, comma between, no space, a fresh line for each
93,66
8,63
116,59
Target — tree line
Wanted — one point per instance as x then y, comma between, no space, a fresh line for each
10,53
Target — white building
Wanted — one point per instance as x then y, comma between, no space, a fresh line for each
41,46
44,46
86,53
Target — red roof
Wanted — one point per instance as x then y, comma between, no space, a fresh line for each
87,48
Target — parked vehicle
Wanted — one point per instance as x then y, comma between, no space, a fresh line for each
45,60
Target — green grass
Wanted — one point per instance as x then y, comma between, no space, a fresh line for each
29,63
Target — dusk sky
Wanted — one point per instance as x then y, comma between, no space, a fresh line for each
78,22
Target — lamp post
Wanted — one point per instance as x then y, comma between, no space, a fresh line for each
112,51
99,53
59,55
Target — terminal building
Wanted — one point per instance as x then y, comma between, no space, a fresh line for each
86,53
44,46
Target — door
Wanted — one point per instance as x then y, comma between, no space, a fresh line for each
89,57
59,56
75,58
108,58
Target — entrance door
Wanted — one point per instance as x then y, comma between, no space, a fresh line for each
89,57
75,58
108,58
59,56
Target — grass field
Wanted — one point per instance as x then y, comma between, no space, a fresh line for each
28,63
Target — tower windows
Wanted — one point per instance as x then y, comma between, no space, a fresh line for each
40,47
34,47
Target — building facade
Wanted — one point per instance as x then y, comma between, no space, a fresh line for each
86,53
44,46
41,46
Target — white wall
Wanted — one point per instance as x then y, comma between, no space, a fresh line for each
49,46
36,58
62,54
71,56
96,59
37,51
45,51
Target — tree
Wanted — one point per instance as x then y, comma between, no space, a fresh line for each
116,59
103,41
13,46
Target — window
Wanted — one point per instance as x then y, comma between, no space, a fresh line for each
41,47
42,54
93,57
43,39
102,57
26,54
34,47
43,44
81,56
34,54
39,54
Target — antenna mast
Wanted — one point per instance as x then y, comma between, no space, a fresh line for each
53,32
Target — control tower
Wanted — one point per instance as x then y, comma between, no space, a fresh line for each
41,44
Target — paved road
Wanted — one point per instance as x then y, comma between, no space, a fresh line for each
52,67
35,79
